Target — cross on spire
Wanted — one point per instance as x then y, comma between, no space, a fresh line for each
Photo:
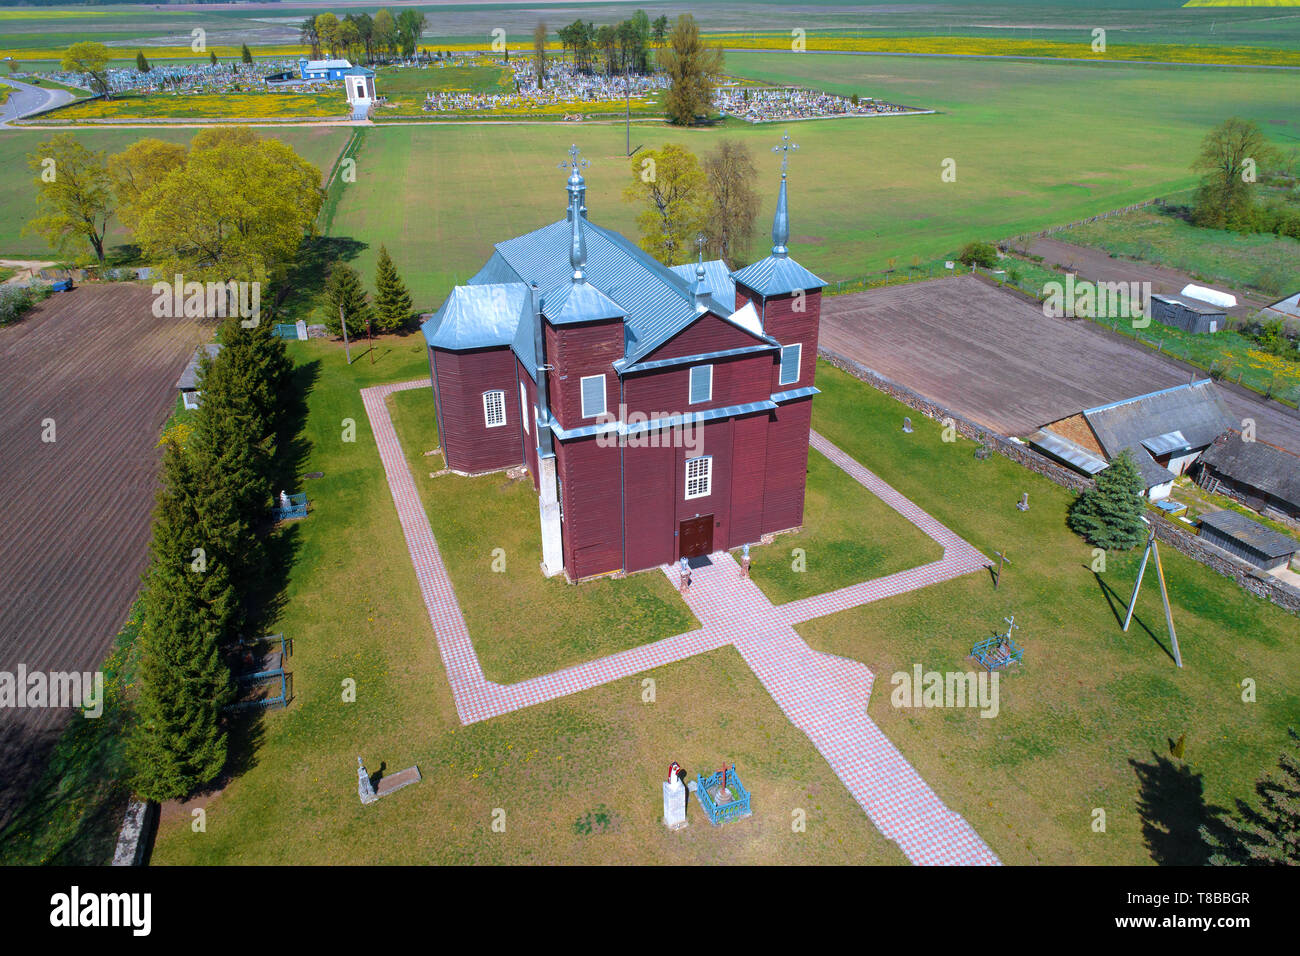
575,163
784,150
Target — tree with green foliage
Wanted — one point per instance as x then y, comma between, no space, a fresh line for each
539,54
730,174
236,210
327,32
393,308
74,194
309,38
978,253
1109,514
246,55
410,24
1233,156
385,33
344,291
674,190
179,742
659,30
212,57
141,63
692,67
1269,834
139,168
92,59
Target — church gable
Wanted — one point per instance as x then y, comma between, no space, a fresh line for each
708,334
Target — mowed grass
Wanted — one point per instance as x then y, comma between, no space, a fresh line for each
577,779
1087,722
522,624
318,146
848,535
1034,144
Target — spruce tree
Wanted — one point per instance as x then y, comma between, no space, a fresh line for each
141,63
179,742
246,54
1109,514
1271,833
344,290
212,57
393,307
231,447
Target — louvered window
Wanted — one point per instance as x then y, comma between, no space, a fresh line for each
790,358
593,396
701,384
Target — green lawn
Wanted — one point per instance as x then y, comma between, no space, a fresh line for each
1087,722
18,196
849,535
523,625
578,778
861,191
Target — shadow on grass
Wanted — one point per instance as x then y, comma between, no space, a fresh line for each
1171,803
1119,606
304,283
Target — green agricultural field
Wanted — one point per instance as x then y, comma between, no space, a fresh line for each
1253,260
18,193
1087,722
353,610
1033,144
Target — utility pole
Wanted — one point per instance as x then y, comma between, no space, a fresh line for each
1154,549
627,86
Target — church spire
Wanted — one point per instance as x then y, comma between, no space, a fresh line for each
577,187
781,221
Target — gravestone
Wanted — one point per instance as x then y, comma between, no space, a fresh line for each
365,789
907,426
674,799
301,327
1023,504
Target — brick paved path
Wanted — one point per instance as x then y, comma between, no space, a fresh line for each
822,694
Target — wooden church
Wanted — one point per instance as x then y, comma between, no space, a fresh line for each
661,412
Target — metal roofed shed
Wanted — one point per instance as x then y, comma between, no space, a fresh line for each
1187,316
1249,540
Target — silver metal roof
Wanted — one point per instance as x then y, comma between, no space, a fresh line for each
717,279
1067,451
1167,443
794,393
479,316
777,275
190,377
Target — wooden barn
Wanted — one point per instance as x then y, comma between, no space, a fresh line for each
1261,476
661,412
1188,316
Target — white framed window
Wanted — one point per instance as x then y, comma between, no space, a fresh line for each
523,406
791,355
494,408
593,396
699,477
701,384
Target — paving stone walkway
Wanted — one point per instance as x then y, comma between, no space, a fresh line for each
824,695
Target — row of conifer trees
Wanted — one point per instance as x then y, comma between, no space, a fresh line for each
201,592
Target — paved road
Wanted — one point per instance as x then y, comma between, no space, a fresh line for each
27,99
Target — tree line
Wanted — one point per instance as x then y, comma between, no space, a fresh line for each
359,35
624,46
203,589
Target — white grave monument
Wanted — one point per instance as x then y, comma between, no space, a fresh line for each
674,799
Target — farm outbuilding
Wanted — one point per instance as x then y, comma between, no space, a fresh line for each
188,383
1249,540
1164,431
322,69
1187,316
1263,477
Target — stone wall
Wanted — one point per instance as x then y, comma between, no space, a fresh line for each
1250,578
136,836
